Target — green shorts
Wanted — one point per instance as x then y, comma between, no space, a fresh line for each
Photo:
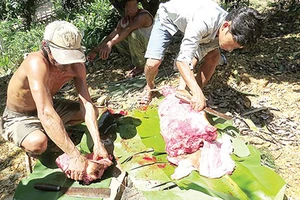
16,126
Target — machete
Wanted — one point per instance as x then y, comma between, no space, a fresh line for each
75,191
187,99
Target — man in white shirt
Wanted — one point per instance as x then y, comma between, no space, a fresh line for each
206,27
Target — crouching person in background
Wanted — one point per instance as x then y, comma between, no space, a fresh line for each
130,37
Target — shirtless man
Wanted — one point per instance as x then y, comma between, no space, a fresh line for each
32,116
130,37
206,27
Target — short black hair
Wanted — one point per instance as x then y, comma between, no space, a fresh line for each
125,1
246,25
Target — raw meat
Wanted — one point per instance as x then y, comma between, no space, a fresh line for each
63,163
187,132
183,128
222,163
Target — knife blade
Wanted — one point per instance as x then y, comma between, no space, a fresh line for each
208,110
75,191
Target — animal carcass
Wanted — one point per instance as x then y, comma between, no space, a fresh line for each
191,141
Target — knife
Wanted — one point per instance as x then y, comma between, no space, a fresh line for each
75,191
187,99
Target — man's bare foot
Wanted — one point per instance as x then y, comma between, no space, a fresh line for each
134,72
145,97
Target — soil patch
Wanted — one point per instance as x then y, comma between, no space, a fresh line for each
259,87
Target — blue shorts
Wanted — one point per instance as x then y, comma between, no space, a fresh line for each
159,41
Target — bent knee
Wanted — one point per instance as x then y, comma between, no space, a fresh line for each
152,64
35,143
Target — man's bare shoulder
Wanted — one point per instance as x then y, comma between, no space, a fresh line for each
30,62
144,13
144,17
35,57
35,61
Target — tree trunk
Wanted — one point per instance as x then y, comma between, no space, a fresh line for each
151,6
29,10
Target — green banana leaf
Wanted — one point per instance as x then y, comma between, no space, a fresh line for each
44,174
140,149
151,172
46,171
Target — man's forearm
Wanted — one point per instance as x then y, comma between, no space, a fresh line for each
91,123
105,41
55,130
189,78
120,36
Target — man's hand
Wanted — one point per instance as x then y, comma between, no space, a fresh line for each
91,56
198,103
77,167
99,152
105,50
94,168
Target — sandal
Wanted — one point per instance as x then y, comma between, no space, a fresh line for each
134,72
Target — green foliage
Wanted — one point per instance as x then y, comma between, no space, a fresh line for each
70,5
232,4
11,9
95,19
17,42
18,9
292,5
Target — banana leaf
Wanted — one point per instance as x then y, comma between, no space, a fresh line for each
150,172
140,148
44,174
46,171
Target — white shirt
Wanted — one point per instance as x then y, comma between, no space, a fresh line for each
199,20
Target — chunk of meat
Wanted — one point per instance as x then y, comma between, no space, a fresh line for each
191,140
63,163
183,128
221,163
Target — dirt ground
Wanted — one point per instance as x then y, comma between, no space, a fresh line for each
259,87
